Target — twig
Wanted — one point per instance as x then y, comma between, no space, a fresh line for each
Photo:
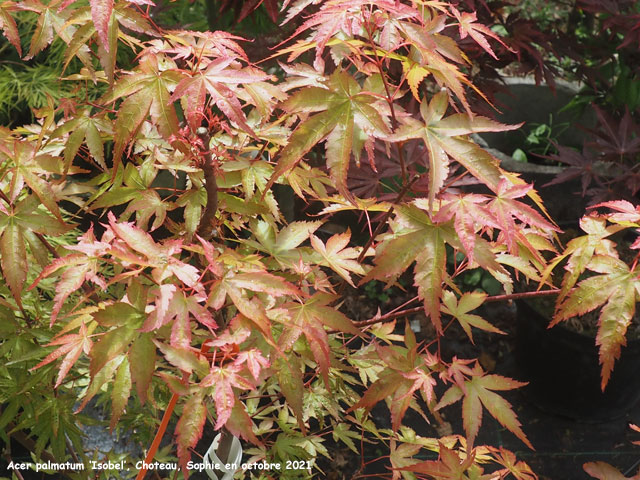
205,229
494,298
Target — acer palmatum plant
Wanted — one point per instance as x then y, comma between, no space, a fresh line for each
195,297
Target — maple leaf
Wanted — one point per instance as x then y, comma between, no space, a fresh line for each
581,165
224,379
85,267
71,346
459,309
444,139
478,391
420,241
310,318
615,291
449,466
338,256
254,360
8,25
240,424
506,209
469,211
604,471
159,256
467,26
219,80
519,469
17,229
84,128
346,112
189,427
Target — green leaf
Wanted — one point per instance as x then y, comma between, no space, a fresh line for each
13,258
342,109
142,363
289,376
120,393
132,112
460,311
111,344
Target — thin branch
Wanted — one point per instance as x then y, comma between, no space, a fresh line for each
494,298
205,228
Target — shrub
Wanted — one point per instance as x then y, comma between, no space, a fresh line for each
182,286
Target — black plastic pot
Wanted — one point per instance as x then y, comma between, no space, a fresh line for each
563,372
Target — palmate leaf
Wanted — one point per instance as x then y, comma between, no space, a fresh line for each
467,25
459,309
310,318
445,138
343,108
338,256
224,379
614,290
220,80
423,242
478,392
71,346
449,466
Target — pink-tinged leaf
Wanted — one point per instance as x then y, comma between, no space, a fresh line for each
519,469
604,471
72,346
43,34
240,424
101,14
449,466
13,259
318,341
107,52
186,360
468,26
142,362
264,282
136,238
110,345
175,384
615,318
337,256
192,92
9,27
254,360
120,393
189,428
132,112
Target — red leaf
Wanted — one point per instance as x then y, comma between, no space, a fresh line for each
101,14
189,427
